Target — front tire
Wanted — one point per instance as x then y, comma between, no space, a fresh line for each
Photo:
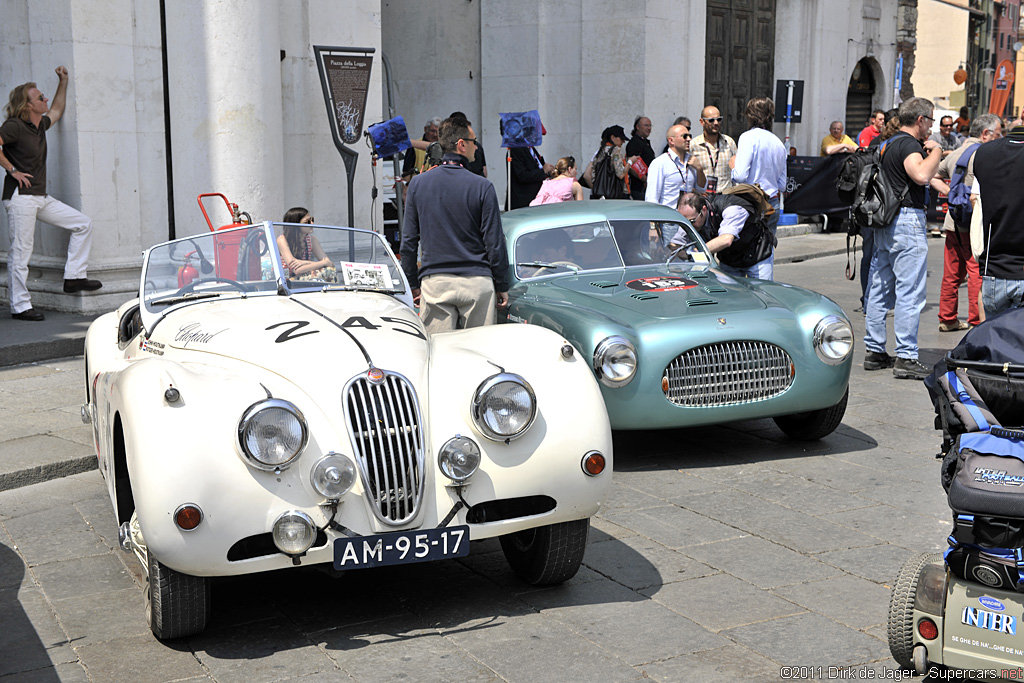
815,424
901,610
177,604
549,554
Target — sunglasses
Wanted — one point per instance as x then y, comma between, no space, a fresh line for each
308,219
716,119
473,140
687,136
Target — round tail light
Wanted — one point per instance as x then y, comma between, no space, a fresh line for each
927,629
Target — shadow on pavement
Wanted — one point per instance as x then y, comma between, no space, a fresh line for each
23,649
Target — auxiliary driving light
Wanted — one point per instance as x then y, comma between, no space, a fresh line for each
294,532
459,458
333,475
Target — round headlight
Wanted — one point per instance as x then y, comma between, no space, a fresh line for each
504,406
833,339
332,476
272,433
615,361
459,458
294,532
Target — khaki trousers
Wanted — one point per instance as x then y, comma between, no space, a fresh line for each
455,302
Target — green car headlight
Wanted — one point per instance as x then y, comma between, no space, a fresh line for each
272,433
833,339
504,406
615,361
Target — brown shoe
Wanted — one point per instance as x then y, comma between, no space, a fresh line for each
955,326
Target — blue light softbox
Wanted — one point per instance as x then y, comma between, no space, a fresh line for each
389,137
521,129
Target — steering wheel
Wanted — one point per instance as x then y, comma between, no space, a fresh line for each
191,287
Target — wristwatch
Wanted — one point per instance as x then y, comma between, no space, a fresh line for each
12,171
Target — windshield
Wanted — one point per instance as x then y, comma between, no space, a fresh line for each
265,260
611,244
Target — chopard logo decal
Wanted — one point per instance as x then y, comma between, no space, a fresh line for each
192,333
999,477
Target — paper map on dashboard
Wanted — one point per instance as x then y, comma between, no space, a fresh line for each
366,275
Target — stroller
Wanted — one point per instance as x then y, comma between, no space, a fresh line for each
963,610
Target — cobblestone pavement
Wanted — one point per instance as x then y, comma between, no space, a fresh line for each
723,554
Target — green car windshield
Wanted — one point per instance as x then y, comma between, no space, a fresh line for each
605,244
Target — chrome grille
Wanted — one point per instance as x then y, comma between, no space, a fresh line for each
728,373
387,437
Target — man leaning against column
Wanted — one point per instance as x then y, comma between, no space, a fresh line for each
23,158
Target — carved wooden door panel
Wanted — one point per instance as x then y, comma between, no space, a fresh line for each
739,61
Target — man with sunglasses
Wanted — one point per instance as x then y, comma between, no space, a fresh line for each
948,140
23,158
462,274
713,149
675,171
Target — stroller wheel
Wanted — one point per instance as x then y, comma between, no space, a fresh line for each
901,611
920,658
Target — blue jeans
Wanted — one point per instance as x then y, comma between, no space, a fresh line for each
762,270
899,267
1000,295
867,247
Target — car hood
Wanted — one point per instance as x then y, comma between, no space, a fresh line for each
656,292
306,338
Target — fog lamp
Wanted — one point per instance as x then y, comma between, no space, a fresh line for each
294,532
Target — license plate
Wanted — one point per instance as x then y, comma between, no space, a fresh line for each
401,547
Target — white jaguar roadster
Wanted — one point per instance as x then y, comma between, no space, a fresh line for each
248,419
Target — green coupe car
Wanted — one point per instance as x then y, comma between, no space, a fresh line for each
673,340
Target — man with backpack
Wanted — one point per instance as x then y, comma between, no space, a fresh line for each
899,262
732,224
954,179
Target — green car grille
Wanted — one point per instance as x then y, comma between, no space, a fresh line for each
727,374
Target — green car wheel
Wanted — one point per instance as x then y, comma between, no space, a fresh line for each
815,424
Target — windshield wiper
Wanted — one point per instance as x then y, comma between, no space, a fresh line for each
192,296
544,264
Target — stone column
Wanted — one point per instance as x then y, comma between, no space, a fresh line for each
223,65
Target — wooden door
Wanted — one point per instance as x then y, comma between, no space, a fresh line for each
739,58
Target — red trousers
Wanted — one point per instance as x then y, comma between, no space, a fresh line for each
957,265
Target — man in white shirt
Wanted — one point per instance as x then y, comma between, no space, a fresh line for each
675,171
760,156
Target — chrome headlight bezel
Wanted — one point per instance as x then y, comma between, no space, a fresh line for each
251,413
609,345
480,406
833,329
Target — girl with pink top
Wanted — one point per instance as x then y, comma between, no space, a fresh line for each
560,187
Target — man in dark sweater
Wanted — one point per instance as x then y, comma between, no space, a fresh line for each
899,260
998,167
452,216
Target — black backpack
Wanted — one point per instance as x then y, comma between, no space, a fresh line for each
862,185
606,183
958,202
